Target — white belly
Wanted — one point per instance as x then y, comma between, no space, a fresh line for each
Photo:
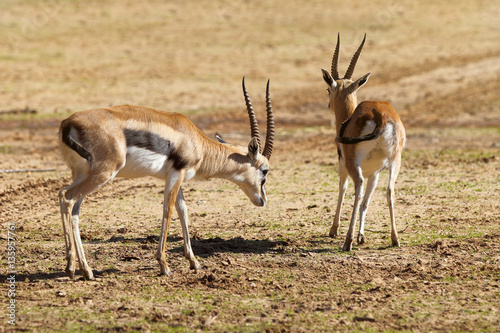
142,162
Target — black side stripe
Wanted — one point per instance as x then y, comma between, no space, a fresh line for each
71,143
371,136
343,127
341,134
155,143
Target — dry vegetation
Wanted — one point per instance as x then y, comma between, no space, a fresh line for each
271,269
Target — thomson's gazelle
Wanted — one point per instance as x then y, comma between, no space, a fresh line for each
370,138
132,141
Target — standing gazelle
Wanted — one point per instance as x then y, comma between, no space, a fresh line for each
370,138
131,141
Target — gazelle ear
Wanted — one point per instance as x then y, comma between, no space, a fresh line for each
360,82
219,138
328,78
253,148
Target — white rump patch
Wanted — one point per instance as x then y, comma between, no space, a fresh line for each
375,155
369,127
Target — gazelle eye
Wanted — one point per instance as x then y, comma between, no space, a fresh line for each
265,172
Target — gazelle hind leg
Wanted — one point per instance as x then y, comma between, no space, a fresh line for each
71,199
370,187
181,208
343,183
358,184
393,175
66,208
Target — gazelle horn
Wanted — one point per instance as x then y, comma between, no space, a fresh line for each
352,65
254,127
335,60
268,148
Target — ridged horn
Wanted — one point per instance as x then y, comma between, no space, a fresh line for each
335,60
254,126
268,148
354,60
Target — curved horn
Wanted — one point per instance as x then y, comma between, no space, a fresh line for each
268,148
335,60
254,127
352,65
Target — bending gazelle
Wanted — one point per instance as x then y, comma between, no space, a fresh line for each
370,138
132,141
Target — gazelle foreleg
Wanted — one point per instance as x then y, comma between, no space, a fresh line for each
180,205
370,187
343,183
358,185
174,181
393,175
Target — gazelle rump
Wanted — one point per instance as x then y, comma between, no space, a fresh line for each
370,138
132,141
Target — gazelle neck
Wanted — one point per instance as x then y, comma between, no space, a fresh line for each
222,161
343,107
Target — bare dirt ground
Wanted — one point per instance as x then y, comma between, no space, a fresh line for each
271,269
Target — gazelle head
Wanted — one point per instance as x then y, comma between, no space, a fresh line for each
252,178
342,91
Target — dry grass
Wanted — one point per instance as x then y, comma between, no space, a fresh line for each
191,56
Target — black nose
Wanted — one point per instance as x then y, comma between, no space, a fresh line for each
262,202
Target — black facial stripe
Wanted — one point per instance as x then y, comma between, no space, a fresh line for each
154,143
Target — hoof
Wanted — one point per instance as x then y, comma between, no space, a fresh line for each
347,246
334,232
361,239
195,266
395,243
88,275
70,273
165,271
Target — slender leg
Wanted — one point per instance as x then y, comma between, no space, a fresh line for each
393,175
174,181
68,235
75,213
358,184
370,187
334,230
70,200
181,208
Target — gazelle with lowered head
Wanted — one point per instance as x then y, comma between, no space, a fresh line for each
131,141
370,138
